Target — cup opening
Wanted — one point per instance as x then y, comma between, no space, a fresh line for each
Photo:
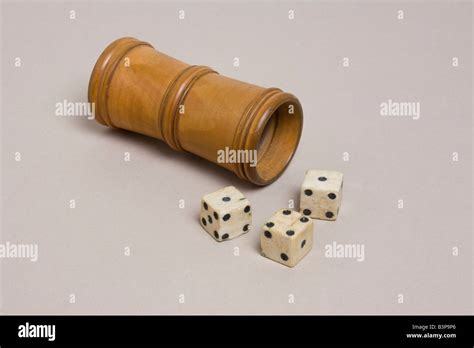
278,141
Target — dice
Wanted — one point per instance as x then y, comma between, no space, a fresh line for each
225,214
321,194
287,237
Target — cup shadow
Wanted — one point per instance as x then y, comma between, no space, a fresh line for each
162,150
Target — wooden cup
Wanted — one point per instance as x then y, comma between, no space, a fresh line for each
193,108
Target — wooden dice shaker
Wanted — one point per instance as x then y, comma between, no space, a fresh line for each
193,108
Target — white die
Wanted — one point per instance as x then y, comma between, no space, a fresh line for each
321,194
225,214
287,237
